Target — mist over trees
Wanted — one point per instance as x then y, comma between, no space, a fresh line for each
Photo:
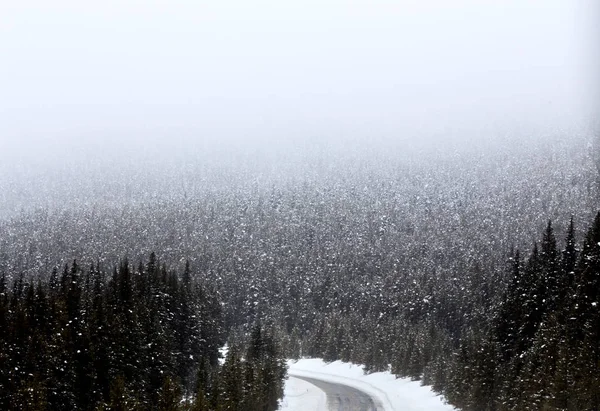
413,186
419,258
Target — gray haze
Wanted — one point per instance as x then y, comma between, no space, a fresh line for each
135,73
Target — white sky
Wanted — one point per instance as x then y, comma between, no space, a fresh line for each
74,69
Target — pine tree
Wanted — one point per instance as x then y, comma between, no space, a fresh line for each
550,276
232,381
204,386
121,398
569,255
170,396
511,313
587,320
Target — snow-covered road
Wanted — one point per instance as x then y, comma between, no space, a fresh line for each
341,397
313,382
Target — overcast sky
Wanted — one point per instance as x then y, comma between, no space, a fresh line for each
241,69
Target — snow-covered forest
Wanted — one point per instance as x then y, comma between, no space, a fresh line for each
231,205
472,268
132,339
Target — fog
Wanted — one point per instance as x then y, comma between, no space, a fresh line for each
134,74
402,184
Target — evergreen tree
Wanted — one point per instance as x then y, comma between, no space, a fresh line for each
232,381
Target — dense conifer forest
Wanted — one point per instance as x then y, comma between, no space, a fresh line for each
128,339
473,269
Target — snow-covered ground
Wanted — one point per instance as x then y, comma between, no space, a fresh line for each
301,395
396,394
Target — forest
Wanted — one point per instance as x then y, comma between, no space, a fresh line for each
128,339
473,269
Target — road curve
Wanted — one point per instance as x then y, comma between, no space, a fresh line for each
344,398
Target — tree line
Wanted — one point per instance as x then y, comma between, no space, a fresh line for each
402,262
536,348
542,349
144,338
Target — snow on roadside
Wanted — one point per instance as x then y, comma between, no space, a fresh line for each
302,395
396,394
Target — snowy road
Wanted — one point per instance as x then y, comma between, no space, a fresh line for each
344,398
314,385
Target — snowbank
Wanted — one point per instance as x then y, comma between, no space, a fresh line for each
301,395
396,394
